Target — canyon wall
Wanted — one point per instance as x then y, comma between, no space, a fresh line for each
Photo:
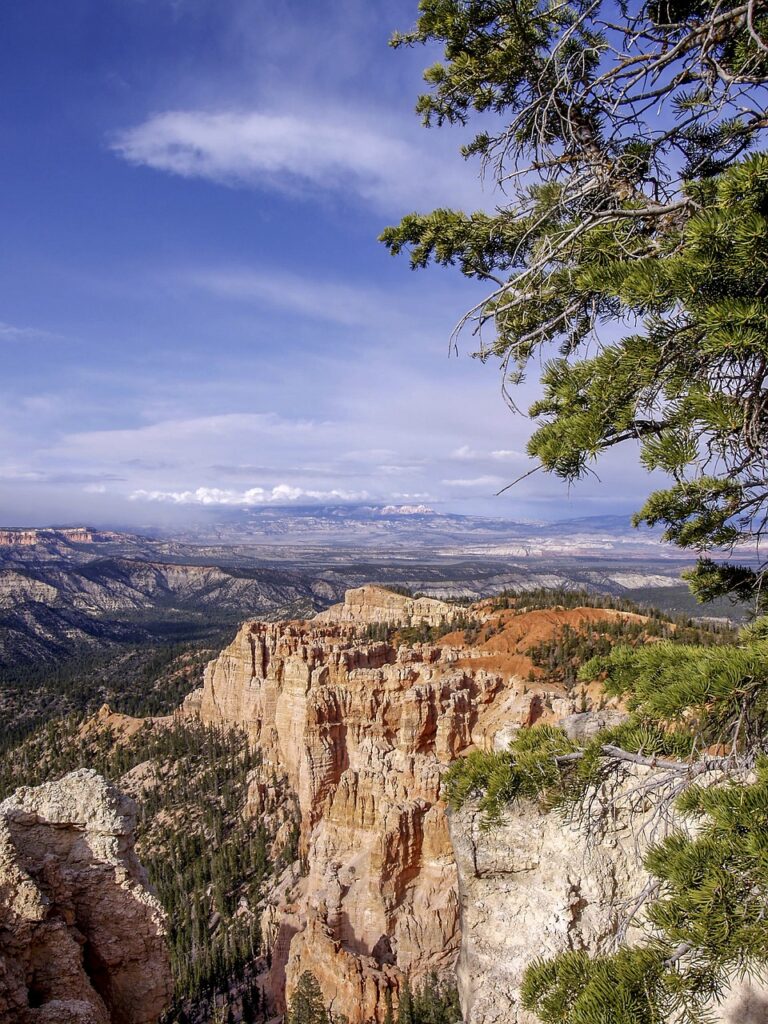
73,535
82,941
363,730
538,885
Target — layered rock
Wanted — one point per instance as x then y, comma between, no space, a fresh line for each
363,731
372,604
81,938
72,535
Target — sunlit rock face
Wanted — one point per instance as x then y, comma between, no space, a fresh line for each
371,604
364,730
82,941
539,884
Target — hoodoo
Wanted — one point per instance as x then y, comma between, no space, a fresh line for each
364,729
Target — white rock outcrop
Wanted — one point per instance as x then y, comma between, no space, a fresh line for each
82,941
537,885
372,604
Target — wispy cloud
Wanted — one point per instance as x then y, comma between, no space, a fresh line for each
334,152
280,494
192,433
324,300
465,453
40,476
475,482
11,332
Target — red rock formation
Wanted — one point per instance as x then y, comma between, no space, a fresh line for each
363,731
28,537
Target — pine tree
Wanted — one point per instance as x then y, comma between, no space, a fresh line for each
389,1017
619,135
307,1006
405,1004
707,919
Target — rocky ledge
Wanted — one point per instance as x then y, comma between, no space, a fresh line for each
82,941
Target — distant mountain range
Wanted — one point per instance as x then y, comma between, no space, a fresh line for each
65,589
420,527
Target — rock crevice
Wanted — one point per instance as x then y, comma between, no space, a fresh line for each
82,941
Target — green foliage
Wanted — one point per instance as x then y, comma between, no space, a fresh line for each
705,926
710,580
689,388
719,694
435,1002
579,988
146,680
683,696
521,601
708,923
421,633
619,203
389,1016
564,655
307,1006
528,768
206,861
405,1004
602,222
399,588
543,764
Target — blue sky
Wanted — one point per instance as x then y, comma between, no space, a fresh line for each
194,309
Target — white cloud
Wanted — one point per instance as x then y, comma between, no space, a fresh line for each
10,332
508,453
465,453
19,473
281,494
166,438
324,300
341,152
475,481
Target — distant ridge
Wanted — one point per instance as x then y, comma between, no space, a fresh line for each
24,536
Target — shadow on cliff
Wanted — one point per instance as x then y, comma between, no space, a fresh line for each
280,953
79,926
752,1008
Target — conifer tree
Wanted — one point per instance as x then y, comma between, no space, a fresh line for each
624,144
698,714
389,1017
307,1006
619,137
405,1004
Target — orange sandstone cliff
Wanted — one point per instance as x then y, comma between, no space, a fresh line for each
362,730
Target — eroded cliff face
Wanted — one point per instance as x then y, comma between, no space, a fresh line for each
365,605
532,886
538,885
363,730
81,938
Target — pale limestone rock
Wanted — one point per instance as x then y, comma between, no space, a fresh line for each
371,604
585,725
362,732
536,886
81,939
